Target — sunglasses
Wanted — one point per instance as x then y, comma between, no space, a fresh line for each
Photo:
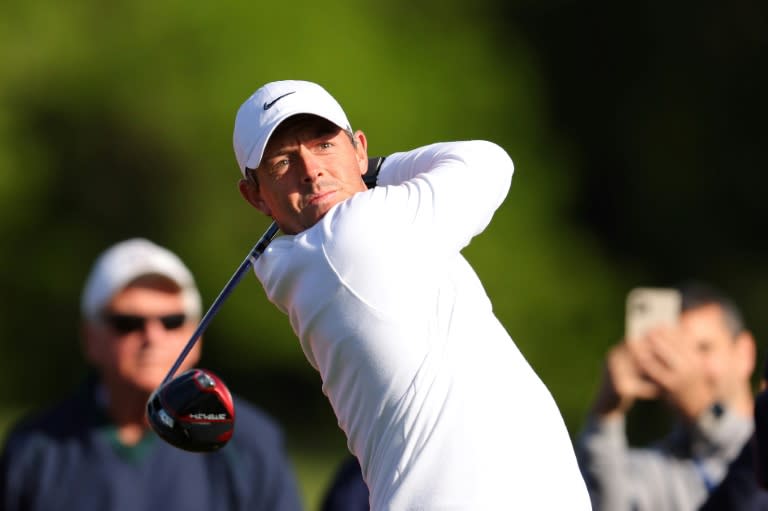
127,323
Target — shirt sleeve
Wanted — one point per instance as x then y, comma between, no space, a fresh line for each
718,436
667,476
430,202
447,191
602,451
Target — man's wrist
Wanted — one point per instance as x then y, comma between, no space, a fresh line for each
609,404
709,419
699,404
720,430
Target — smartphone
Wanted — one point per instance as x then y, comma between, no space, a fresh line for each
649,308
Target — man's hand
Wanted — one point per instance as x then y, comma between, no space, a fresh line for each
624,380
670,360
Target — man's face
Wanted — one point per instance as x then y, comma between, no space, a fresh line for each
309,166
726,359
133,356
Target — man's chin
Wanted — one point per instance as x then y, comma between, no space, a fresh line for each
316,211
148,383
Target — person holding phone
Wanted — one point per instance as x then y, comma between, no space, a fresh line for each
701,366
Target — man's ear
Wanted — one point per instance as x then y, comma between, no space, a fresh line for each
747,352
90,343
361,150
251,194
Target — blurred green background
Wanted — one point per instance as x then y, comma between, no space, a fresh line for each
638,132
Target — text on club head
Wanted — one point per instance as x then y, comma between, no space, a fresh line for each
208,416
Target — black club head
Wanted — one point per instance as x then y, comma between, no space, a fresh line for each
193,411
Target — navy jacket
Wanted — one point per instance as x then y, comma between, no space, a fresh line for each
347,491
739,491
69,458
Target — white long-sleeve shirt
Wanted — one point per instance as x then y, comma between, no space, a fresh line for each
438,404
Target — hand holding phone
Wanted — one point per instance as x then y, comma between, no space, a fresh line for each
648,308
625,378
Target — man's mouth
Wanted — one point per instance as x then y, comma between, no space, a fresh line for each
319,197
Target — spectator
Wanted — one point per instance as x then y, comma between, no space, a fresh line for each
347,491
95,452
702,368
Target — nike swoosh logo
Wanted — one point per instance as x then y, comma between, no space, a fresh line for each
269,105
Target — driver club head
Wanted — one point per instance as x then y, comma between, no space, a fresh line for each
193,411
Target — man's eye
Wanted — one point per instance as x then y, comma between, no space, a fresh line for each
280,166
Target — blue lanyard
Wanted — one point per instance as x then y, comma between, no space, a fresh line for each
708,482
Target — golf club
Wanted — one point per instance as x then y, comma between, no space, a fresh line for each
194,411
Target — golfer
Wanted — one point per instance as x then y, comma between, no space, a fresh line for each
437,403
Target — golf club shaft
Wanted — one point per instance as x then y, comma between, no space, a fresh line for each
254,254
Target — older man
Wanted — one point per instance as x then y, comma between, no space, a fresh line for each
95,452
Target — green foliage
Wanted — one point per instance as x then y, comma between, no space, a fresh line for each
115,121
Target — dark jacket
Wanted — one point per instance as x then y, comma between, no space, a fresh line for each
68,457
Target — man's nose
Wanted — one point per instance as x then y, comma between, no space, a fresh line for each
153,329
311,165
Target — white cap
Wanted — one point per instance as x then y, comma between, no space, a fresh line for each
273,103
128,260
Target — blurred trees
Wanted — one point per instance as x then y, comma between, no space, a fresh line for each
638,137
